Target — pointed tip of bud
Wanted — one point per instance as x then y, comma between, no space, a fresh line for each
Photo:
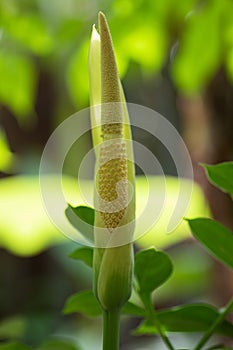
109,72
94,34
104,30
101,18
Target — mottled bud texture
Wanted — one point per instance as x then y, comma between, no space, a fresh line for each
114,208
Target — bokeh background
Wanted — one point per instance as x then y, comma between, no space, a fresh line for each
173,56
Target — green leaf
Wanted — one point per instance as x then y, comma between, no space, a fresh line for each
84,302
12,328
145,327
152,269
136,44
17,84
221,175
13,346
31,31
82,218
83,253
200,27
187,318
77,75
132,309
215,237
7,158
57,344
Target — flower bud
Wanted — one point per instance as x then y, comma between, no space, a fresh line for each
114,203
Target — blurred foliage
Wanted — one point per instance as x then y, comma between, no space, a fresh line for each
13,328
55,35
57,344
30,231
13,346
7,158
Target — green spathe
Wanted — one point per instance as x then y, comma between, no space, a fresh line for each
113,265
115,275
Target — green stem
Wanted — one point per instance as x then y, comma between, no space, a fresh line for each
163,334
223,313
111,328
153,315
214,347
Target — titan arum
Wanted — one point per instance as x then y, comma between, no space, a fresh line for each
114,184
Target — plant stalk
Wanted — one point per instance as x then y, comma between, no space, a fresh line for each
111,329
153,315
223,313
163,334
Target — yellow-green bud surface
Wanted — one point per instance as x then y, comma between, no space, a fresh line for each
114,201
